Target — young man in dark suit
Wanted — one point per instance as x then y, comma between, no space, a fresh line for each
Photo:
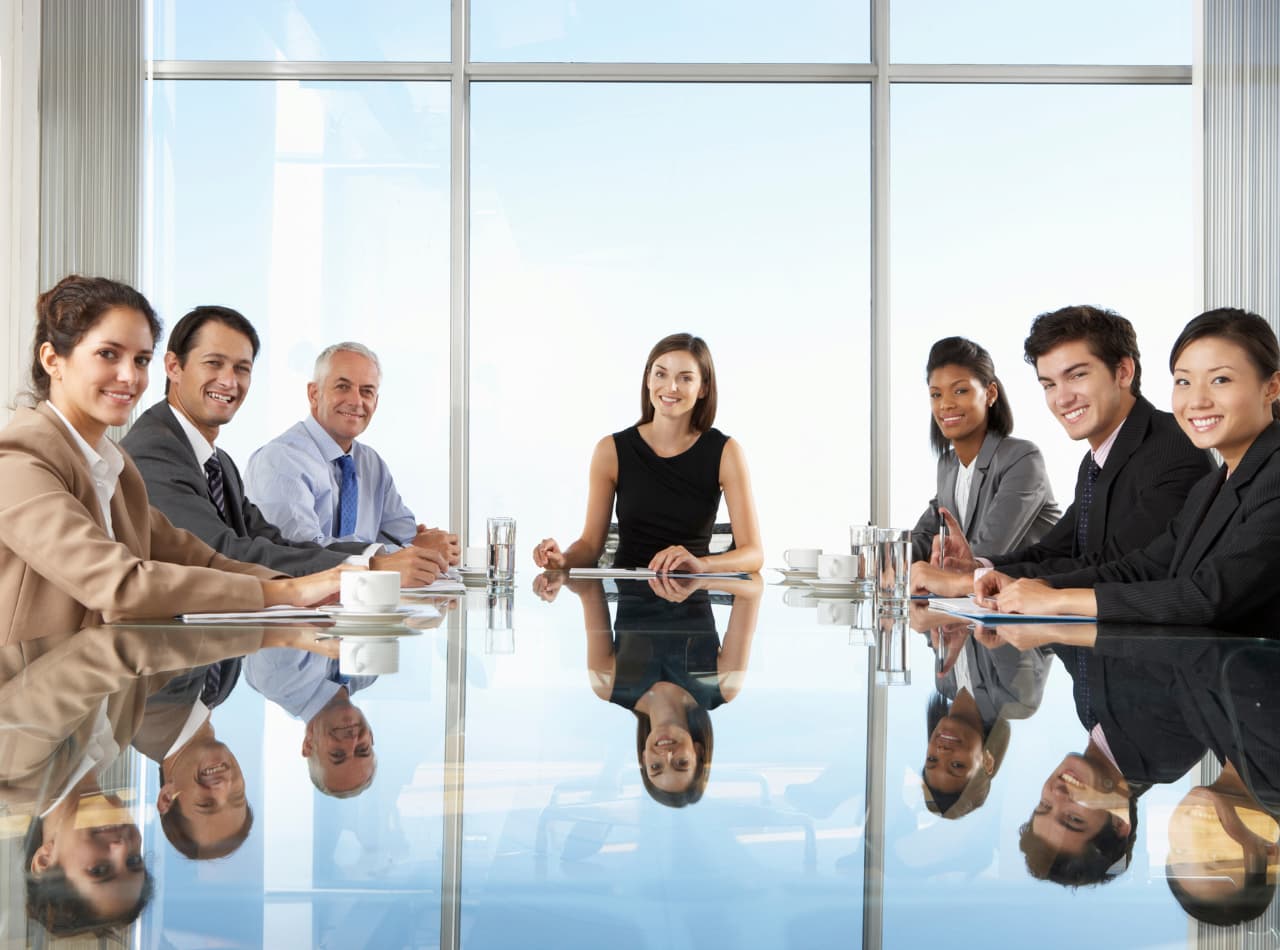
209,365
1133,480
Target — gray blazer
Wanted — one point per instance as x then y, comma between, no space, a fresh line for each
176,484
1010,502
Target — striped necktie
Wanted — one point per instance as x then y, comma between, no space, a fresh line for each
217,491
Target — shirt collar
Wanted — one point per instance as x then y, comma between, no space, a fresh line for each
199,444
195,719
1101,452
104,460
329,449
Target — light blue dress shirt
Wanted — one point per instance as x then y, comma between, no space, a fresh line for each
294,479
299,682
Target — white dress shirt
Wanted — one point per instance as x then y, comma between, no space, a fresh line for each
105,465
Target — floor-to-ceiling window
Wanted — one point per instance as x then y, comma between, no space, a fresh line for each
513,221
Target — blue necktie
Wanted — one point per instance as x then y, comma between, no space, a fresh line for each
1086,501
348,498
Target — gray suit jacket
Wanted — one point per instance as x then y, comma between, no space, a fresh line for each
176,485
1010,502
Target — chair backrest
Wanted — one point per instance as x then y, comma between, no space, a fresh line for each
721,541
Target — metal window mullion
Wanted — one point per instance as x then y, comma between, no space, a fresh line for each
454,771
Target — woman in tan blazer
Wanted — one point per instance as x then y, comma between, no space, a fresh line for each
79,544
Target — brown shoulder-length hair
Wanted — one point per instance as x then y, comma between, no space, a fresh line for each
704,411
70,309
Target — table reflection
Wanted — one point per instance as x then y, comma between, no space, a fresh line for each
152,787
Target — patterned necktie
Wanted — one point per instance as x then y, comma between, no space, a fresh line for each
1086,501
213,472
348,498
212,682
1083,693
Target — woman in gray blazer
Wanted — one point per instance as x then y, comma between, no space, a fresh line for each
994,484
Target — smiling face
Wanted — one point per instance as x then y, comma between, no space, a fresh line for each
1074,807
1220,399
675,384
344,401
959,402
99,382
671,758
339,742
99,849
204,781
210,384
1083,393
954,756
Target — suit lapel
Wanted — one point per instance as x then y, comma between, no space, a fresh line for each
1220,506
232,492
979,478
947,490
1132,431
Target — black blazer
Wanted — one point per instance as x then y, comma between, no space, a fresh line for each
1137,705
1216,564
176,484
1143,485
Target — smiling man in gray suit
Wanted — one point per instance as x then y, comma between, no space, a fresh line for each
209,365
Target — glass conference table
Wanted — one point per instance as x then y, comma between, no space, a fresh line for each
507,807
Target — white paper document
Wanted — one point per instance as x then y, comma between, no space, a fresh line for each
641,572
445,585
968,607
280,614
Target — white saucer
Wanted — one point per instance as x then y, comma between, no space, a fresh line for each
829,585
372,631
795,574
346,615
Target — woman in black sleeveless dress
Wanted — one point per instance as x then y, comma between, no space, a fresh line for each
666,474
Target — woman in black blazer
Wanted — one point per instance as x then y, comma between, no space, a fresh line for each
1217,562
1008,504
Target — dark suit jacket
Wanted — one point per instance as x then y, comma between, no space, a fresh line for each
1216,564
1149,471
1137,705
177,486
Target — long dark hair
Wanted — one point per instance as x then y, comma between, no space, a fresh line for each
704,410
1246,330
699,721
70,309
957,351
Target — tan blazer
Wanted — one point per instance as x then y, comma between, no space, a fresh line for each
59,569
47,711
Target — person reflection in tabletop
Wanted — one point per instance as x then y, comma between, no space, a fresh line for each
63,722
662,659
978,691
1084,826
1224,852
337,742
201,802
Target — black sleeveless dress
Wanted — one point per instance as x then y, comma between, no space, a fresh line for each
666,501
655,640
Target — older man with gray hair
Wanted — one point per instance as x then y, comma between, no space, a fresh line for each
315,482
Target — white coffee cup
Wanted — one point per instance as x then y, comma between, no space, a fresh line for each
802,559
798,597
847,613
474,558
370,591
837,567
368,656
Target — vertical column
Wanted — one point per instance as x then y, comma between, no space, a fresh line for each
90,139
1240,84
460,272
19,186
